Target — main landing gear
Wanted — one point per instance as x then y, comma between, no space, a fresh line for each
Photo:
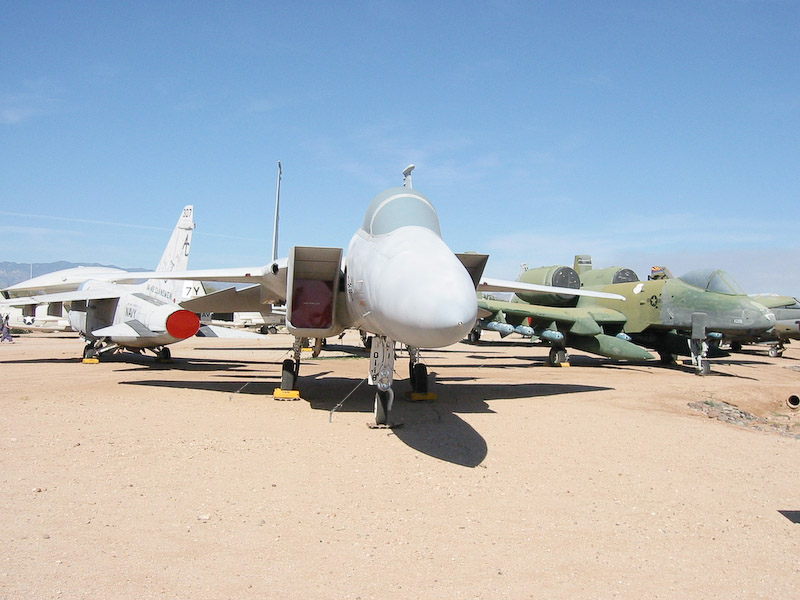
417,372
557,357
90,350
381,374
776,350
291,367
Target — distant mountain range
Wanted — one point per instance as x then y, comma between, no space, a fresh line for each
11,272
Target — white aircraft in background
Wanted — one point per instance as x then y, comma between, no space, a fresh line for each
65,280
36,319
112,316
399,281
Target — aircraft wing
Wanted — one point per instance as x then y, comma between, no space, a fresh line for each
774,300
228,300
225,332
584,326
270,279
60,297
500,285
582,321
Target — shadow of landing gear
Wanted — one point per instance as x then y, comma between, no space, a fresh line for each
434,428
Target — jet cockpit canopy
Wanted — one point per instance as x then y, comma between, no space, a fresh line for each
713,280
400,207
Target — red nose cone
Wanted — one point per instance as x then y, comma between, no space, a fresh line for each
182,324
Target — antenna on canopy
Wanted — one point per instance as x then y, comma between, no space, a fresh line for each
277,213
407,176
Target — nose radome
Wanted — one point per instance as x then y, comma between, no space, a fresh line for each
429,299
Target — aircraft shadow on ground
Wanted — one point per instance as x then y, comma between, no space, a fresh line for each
792,515
430,427
41,361
136,362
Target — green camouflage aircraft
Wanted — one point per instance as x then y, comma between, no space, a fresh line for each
787,325
559,320
685,315
674,316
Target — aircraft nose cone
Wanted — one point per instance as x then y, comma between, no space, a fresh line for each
429,298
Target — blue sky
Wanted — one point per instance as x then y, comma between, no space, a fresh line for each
639,132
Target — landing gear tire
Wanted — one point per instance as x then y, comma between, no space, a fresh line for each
705,369
474,336
775,352
736,346
419,378
89,351
557,357
288,374
164,355
383,404
365,339
667,358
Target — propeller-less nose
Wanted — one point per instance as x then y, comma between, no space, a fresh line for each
426,297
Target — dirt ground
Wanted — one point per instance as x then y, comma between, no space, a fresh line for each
133,479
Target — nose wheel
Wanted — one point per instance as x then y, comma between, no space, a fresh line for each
383,406
418,374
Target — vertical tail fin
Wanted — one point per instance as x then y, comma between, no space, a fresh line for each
175,258
583,263
176,254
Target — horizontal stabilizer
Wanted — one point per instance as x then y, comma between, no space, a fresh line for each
224,332
129,329
228,300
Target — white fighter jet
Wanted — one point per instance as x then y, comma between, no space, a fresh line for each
398,281
111,316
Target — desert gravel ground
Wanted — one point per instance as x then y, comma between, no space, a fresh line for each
133,479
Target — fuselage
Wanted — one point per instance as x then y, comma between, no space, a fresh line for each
162,323
666,304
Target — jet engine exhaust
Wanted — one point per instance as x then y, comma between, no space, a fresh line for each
183,324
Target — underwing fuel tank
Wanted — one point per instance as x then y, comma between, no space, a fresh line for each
611,346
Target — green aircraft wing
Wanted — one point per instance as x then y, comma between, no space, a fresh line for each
583,328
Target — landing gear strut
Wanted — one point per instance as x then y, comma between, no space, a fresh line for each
291,366
381,373
698,344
